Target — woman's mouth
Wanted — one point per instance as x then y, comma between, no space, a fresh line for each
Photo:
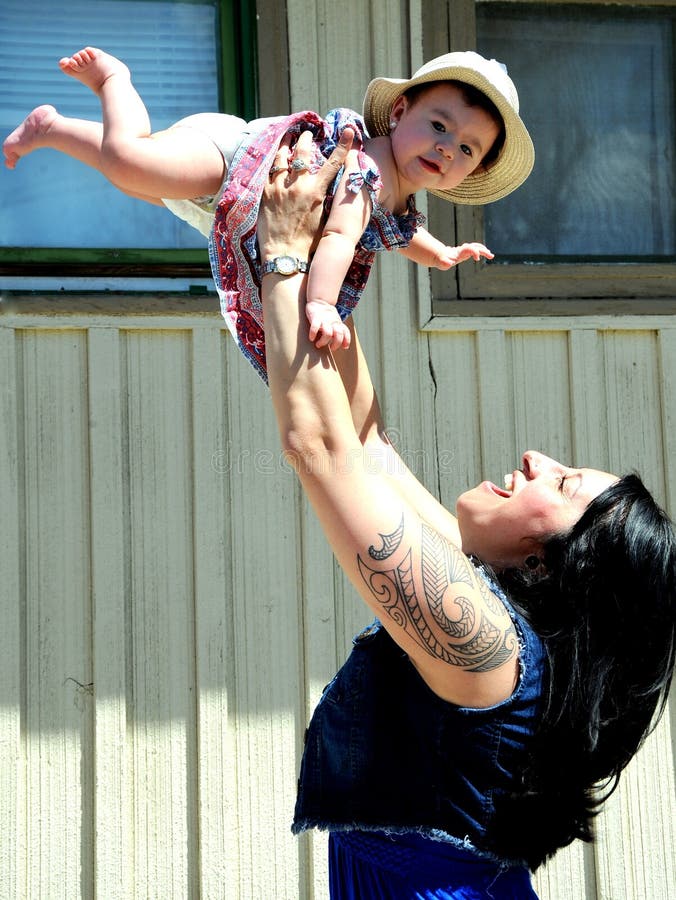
501,492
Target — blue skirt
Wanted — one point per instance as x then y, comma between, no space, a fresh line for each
377,866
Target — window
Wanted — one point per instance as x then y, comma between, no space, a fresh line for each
597,217
60,217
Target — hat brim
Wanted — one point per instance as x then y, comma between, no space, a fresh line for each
517,156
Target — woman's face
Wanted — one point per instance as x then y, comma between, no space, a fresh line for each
504,525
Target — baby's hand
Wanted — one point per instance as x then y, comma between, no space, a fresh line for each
326,327
451,256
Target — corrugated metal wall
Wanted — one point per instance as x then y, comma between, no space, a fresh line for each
170,611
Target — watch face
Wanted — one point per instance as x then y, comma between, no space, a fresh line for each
286,265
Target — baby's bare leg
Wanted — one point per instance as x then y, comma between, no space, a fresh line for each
180,163
44,127
124,112
33,133
177,164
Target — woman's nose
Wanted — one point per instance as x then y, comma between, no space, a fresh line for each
536,463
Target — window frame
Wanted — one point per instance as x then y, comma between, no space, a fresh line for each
529,289
238,94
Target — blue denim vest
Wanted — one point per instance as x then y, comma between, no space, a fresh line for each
383,752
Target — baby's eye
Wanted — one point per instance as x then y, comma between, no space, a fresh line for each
466,150
439,126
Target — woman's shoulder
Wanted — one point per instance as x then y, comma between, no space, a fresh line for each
469,644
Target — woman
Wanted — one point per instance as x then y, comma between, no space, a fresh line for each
526,646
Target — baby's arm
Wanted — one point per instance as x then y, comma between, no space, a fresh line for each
427,250
347,220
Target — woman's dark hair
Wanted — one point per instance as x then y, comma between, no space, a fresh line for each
606,611
472,97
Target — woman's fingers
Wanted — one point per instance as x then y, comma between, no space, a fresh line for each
281,160
291,211
299,160
302,153
337,159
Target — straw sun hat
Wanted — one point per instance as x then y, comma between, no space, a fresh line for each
516,157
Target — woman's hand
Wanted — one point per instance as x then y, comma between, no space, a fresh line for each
291,210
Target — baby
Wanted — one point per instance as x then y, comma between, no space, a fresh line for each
452,129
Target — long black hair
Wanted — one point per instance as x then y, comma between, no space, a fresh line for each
606,611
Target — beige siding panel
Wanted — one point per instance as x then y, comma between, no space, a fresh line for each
157,452
569,876
541,392
406,389
667,379
588,410
56,666
458,437
161,719
109,568
644,832
329,610
267,631
639,827
336,42
12,609
329,54
306,71
633,398
499,445
217,763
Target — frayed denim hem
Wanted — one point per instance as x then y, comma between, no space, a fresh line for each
433,834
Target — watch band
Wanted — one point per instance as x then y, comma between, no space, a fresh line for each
284,265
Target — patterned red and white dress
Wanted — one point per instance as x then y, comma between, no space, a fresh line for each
233,246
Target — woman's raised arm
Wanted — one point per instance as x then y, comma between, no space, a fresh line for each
409,571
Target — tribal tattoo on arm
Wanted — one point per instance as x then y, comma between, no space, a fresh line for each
427,601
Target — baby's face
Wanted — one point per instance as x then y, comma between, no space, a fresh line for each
439,140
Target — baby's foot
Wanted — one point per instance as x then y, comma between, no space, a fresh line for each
92,67
29,135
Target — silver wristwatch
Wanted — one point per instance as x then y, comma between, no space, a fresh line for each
284,265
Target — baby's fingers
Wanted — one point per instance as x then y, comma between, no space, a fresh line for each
315,328
317,323
324,338
341,338
346,338
479,250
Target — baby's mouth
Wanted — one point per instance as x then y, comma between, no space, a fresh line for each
430,165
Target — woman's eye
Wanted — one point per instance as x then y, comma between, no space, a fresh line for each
562,482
